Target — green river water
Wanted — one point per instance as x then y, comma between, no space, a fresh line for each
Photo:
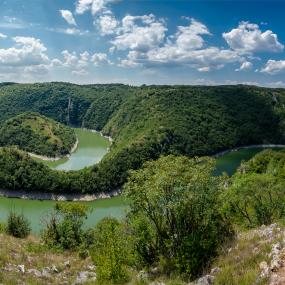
92,147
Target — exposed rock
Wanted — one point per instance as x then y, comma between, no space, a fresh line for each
46,272
91,267
205,280
85,276
21,268
142,275
154,271
157,283
265,270
66,264
215,270
35,272
54,269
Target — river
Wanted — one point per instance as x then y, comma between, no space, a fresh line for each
91,148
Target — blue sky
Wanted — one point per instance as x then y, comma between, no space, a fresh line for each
143,42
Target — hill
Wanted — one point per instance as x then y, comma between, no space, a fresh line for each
37,134
149,121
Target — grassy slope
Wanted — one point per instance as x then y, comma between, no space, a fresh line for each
35,133
30,253
238,262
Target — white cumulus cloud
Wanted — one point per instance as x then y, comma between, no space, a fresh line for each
274,66
68,17
107,24
139,33
185,47
247,65
98,58
95,6
248,38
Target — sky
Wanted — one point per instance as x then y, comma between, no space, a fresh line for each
195,42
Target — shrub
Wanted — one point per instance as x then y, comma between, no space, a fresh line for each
175,213
18,225
64,228
255,199
111,251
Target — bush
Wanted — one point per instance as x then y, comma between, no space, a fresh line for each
255,199
64,228
17,225
111,251
175,214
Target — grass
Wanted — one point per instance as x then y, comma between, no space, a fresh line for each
33,255
239,263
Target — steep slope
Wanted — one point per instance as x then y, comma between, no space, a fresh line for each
148,121
35,133
189,121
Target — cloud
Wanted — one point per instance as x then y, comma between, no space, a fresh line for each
95,6
276,84
98,58
68,17
247,65
26,51
139,33
274,66
12,23
248,38
27,57
107,24
185,47
77,64
189,37
3,36
69,31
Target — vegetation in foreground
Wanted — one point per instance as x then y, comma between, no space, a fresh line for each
38,134
179,226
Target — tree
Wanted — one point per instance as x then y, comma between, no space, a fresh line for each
174,213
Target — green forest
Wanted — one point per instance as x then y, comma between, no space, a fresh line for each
145,122
37,134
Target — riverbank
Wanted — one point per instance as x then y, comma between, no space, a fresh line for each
101,134
56,158
58,197
221,153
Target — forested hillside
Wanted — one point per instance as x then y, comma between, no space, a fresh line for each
146,122
37,134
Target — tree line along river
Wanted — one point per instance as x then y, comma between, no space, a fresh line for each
91,148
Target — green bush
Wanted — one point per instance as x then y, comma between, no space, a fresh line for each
111,251
64,228
255,199
18,225
175,214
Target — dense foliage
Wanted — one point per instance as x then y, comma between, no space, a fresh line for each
111,251
35,133
64,228
175,214
256,193
17,225
149,121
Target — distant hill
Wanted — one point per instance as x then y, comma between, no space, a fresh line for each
149,121
38,134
